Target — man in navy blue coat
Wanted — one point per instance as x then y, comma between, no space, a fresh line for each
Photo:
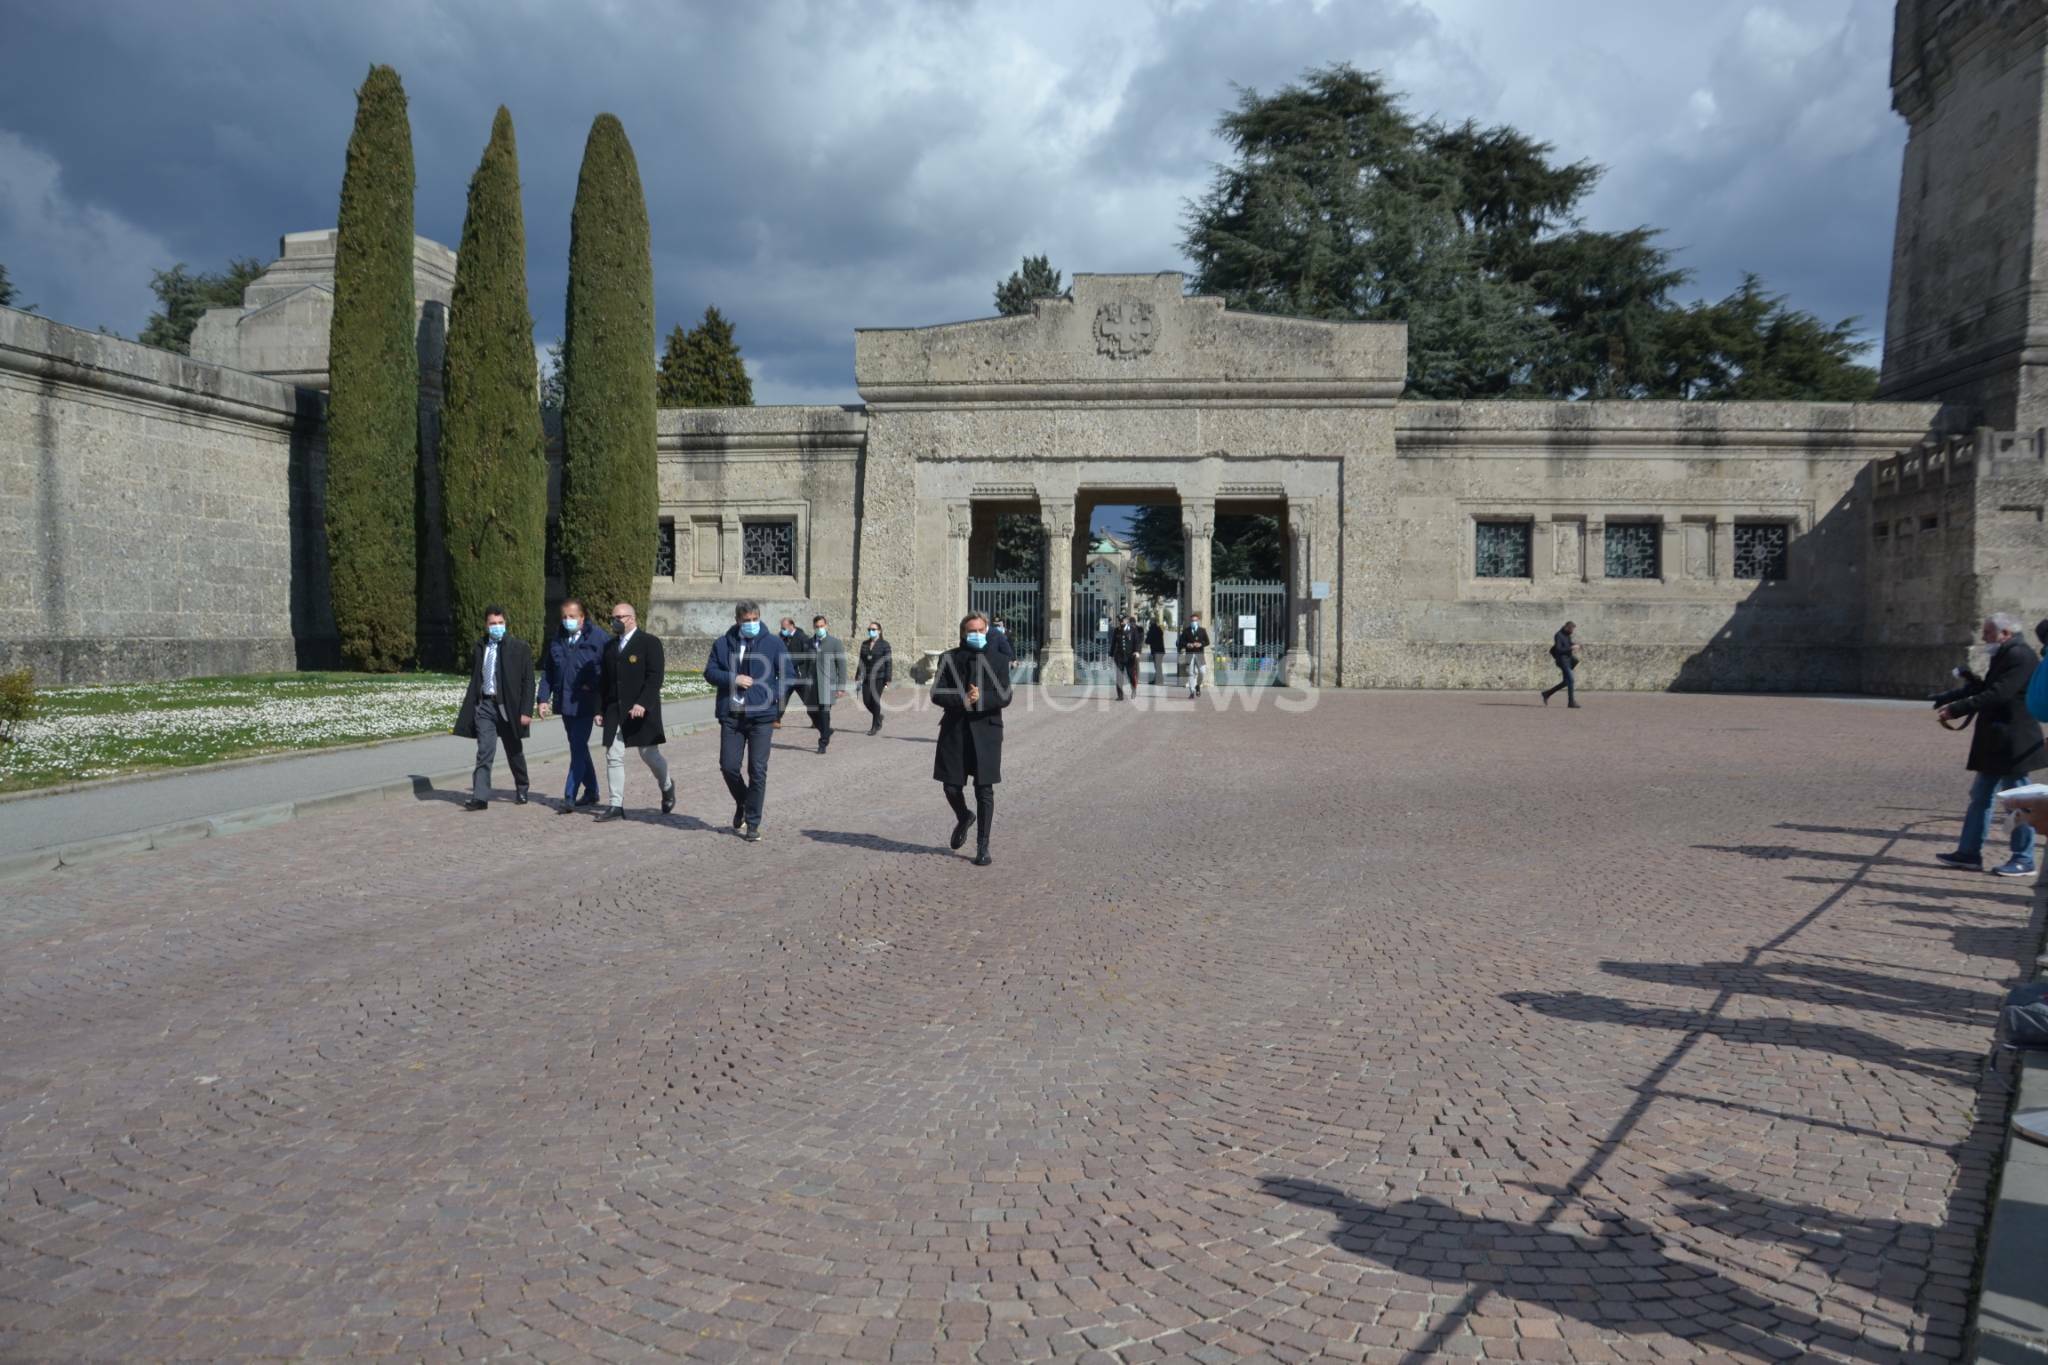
568,685
752,674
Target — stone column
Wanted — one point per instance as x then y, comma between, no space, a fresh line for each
1198,530
1297,665
1056,662
730,553
959,535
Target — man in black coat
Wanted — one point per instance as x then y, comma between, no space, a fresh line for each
796,652
877,666
999,641
971,686
1155,645
498,706
1194,651
1124,645
629,689
1565,654
2005,748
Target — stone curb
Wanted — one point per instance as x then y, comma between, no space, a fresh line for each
35,862
2010,1319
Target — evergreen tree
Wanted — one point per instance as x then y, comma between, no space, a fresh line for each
373,364
182,297
554,378
1034,280
1751,346
610,497
8,294
702,368
494,476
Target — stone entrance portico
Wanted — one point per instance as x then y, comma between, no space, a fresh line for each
1128,391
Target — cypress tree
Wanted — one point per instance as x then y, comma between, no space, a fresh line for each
373,366
494,476
703,369
610,497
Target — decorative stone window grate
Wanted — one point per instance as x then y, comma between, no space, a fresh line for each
1632,549
1502,549
665,549
1761,548
768,549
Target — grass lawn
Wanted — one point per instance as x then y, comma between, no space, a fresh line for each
88,732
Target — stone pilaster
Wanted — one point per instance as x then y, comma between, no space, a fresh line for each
1056,666
959,535
1296,667
1198,529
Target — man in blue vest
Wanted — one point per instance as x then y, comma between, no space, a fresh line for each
568,685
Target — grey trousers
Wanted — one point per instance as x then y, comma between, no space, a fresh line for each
615,768
492,726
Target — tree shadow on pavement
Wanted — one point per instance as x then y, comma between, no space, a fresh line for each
1815,984
1938,892
1622,1281
1783,852
1836,1040
2000,943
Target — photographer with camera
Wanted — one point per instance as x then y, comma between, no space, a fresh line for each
2005,748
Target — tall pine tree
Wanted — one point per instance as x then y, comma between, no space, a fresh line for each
610,496
373,364
702,368
494,474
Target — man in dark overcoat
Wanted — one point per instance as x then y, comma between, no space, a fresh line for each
1564,652
1155,645
498,707
971,686
796,648
999,641
877,666
1125,642
752,674
568,683
2005,748
629,687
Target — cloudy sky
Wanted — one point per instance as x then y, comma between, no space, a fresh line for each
813,167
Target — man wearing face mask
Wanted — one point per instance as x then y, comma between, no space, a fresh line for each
972,687
797,648
1194,647
1155,645
826,679
498,706
568,683
629,688
751,672
999,641
1124,643
877,663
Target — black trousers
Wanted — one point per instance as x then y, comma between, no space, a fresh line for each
871,697
821,717
491,729
748,737
984,812
1567,685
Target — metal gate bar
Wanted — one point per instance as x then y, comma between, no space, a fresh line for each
1248,628
1019,602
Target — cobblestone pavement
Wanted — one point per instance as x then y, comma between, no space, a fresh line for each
1419,1026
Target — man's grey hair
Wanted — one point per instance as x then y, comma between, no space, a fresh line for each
740,609
2004,622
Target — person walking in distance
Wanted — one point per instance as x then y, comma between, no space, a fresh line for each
498,707
972,687
2005,747
568,683
752,674
793,646
1564,652
877,664
1124,644
827,678
999,641
629,688
1155,645
1193,646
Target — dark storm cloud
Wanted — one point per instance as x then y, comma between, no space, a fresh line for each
815,167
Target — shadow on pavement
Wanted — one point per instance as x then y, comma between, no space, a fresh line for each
875,842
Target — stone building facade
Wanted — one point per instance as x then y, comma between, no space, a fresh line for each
1768,546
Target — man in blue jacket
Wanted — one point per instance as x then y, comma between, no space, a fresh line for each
569,676
752,674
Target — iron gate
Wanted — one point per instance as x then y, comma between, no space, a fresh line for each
1018,602
1248,631
1094,615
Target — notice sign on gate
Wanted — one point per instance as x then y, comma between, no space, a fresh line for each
1251,637
1247,622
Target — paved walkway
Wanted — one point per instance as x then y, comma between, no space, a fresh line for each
1416,1027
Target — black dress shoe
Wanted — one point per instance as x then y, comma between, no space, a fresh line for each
821,745
610,813
752,834
981,858
474,804
519,797
960,829
875,729
668,798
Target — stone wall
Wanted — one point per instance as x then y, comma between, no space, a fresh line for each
159,517
1638,522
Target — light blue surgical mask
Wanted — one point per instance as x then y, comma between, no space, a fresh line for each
1001,629
874,635
749,629
977,639
496,630
822,632
572,624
